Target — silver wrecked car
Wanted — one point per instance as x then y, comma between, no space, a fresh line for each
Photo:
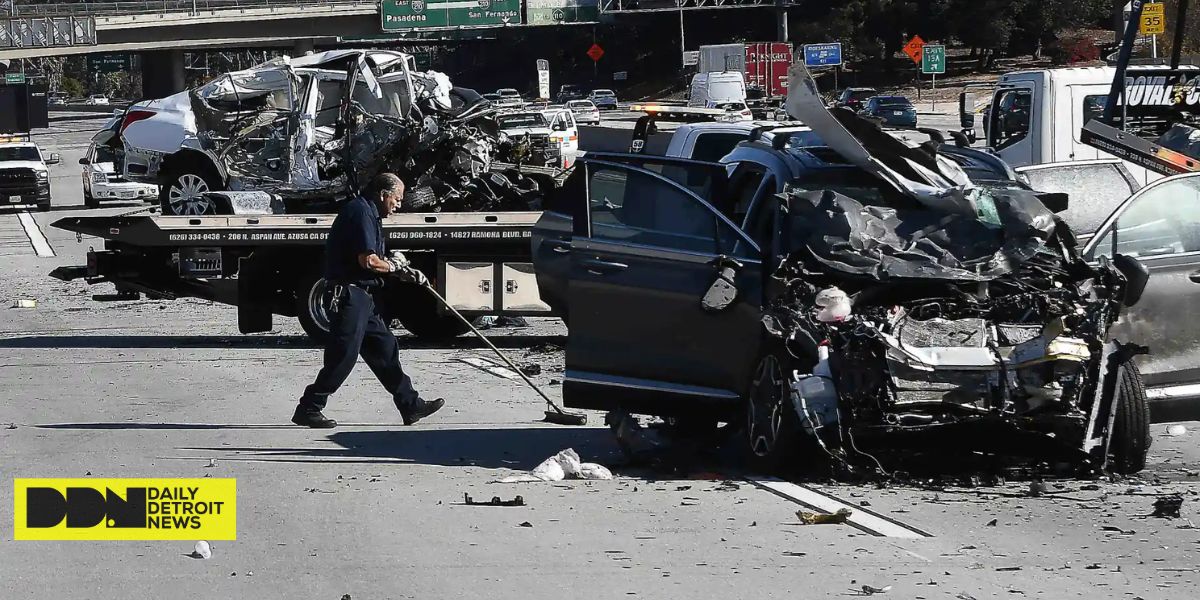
309,129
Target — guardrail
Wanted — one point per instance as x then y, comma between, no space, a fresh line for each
130,7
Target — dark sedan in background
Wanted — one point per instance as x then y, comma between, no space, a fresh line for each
894,111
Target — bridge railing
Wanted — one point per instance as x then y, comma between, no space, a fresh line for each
138,7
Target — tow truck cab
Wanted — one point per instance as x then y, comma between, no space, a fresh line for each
1037,117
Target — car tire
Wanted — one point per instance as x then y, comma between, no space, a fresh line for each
1130,441
43,208
184,184
774,438
89,201
419,311
313,308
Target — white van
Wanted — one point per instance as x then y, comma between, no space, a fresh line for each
1036,116
709,90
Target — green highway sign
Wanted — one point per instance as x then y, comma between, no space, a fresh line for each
555,12
933,59
403,15
109,63
14,78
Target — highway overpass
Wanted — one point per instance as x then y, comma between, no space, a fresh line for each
161,30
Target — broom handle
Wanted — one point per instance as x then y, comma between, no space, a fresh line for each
494,349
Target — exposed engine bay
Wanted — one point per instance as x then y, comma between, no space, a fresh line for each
947,319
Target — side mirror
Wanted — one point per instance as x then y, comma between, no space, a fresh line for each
966,110
1136,277
560,126
1055,201
85,161
54,159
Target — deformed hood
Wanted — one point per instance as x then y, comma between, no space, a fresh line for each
939,225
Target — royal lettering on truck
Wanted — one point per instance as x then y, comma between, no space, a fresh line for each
1162,90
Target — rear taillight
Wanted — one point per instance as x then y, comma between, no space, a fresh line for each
134,116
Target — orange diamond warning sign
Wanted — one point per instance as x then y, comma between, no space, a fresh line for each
913,48
595,52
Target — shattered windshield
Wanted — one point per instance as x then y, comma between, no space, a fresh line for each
523,121
1093,192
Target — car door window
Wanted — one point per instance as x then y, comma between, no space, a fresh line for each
638,208
1093,191
1163,220
712,147
1011,117
329,100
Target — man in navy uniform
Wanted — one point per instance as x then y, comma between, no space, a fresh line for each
355,263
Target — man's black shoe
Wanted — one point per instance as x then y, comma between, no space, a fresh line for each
312,418
423,409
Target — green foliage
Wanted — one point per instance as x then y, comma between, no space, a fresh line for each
71,87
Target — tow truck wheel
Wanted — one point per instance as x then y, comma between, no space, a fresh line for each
420,313
313,301
1131,428
183,194
772,426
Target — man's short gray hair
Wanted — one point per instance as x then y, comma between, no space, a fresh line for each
385,183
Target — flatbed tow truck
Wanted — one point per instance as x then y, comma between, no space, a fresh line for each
271,265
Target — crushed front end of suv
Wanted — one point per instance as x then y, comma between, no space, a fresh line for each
941,322
311,131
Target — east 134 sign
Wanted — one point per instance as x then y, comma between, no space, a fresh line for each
400,15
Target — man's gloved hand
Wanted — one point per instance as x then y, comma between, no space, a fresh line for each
397,260
412,275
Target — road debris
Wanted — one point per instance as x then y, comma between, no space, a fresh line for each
495,501
868,590
1176,430
525,524
1167,507
212,462
993,522
1008,568
25,303
1037,488
532,369
811,518
202,551
561,466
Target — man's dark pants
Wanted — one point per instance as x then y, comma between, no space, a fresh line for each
358,328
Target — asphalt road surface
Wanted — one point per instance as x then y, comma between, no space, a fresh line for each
374,509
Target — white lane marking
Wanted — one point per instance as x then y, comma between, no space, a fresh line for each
40,244
490,367
861,518
1174,391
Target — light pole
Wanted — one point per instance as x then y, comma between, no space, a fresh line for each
682,46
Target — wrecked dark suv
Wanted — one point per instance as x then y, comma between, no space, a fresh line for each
883,309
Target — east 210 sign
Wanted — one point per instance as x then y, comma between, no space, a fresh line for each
401,15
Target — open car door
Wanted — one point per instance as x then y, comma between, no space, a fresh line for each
656,265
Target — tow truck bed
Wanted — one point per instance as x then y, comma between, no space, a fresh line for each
272,264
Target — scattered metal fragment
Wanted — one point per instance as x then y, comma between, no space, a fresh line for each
1167,507
993,522
868,590
525,524
1008,568
495,501
811,518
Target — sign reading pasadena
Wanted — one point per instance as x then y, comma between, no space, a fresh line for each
125,509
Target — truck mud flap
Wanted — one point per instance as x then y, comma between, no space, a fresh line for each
69,273
254,303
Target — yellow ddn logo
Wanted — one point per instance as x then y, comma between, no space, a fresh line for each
125,509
